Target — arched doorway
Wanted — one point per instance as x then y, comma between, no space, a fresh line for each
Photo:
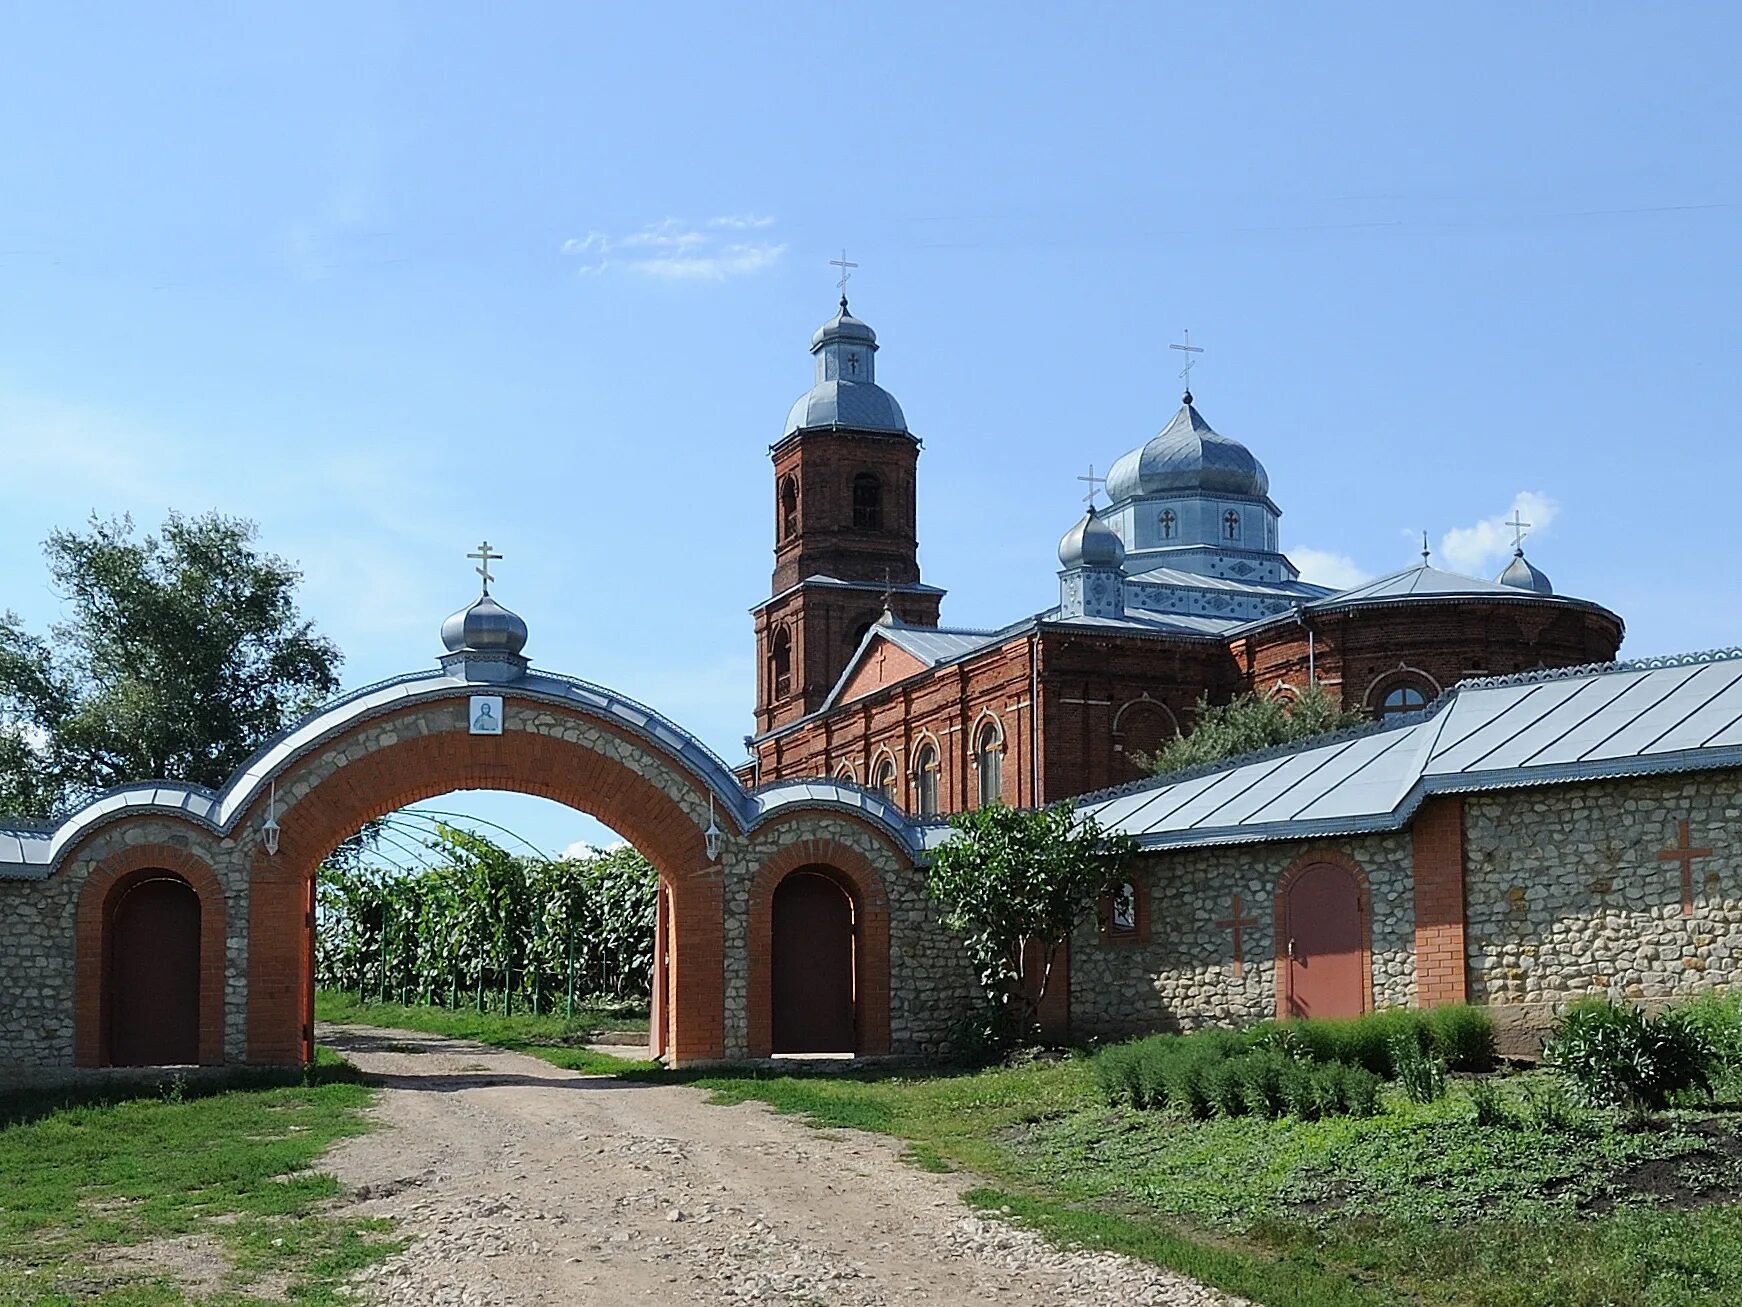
814,980
1322,943
153,974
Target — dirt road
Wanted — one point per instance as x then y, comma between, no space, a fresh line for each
525,1184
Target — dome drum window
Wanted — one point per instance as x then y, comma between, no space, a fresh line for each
867,503
788,507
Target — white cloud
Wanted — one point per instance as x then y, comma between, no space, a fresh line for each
1326,567
675,250
1477,548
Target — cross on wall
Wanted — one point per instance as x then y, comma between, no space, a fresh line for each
1684,853
1237,921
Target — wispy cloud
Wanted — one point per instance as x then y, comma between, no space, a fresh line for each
677,250
583,849
1325,567
1475,549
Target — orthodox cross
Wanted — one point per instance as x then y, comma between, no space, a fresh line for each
1685,854
1095,484
1426,553
846,276
484,557
1189,349
1237,921
1518,530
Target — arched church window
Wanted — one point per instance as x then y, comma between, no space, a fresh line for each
1402,699
780,663
788,507
925,778
1168,523
867,503
844,772
1231,525
989,759
884,780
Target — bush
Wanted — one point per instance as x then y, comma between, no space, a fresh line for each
1187,1077
1225,1085
1463,1036
1613,1055
1300,1091
1360,1091
1422,1075
1491,1109
1718,1017
1261,1073
1116,1075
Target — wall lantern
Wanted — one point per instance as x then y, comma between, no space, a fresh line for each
713,837
269,828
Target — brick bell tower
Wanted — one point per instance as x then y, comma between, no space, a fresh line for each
844,534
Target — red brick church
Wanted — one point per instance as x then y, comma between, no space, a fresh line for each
1179,588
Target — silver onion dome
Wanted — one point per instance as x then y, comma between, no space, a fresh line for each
1522,575
1091,543
484,627
1188,455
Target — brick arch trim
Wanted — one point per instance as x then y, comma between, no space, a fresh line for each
109,880
854,873
1293,872
1402,674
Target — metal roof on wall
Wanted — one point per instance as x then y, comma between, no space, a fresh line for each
1626,719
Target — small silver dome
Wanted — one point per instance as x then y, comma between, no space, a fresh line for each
1091,543
1188,456
485,627
1521,575
843,326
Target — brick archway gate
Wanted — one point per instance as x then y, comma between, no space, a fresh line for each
548,748
417,736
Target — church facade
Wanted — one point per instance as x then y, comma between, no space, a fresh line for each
1179,589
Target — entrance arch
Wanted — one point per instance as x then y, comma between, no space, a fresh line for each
483,720
812,965
1324,962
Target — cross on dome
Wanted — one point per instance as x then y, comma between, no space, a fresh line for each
1519,527
1185,373
1095,484
846,276
485,558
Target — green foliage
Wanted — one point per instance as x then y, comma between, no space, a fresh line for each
1014,883
1224,1074
1250,722
1490,1105
1615,1056
1718,1017
486,921
1463,1036
1421,1075
178,654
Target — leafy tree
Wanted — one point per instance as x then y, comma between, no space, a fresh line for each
179,654
1015,883
1250,722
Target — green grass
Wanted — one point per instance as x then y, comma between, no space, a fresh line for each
92,1170
557,1039
1417,1204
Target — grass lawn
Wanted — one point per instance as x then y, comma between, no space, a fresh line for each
126,1201
557,1039
1415,1205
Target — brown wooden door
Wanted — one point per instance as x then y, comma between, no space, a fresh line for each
1324,944
154,975
813,981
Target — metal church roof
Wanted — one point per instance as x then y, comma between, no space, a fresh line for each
1674,714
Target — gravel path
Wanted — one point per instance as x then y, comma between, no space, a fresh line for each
525,1184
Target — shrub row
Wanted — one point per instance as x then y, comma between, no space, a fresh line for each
1616,1056
1205,1077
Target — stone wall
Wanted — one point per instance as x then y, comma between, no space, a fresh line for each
1567,894
1179,972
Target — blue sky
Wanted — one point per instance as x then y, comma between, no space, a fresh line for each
388,279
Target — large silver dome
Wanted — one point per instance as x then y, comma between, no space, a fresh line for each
1188,456
862,405
485,627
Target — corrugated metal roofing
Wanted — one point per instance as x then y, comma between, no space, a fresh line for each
1659,715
